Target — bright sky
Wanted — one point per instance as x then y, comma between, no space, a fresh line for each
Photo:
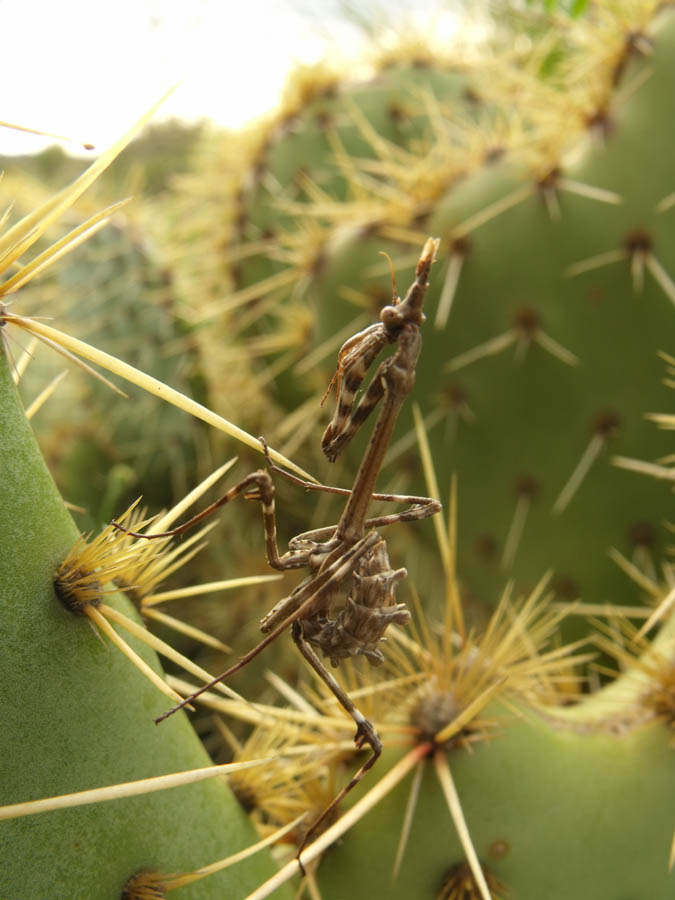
88,70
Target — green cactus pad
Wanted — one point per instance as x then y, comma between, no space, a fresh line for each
553,811
77,715
565,362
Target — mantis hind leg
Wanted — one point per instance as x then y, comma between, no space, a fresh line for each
365,732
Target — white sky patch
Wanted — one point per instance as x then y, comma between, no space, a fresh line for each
87,70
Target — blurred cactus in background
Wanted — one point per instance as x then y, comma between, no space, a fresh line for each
113,289
548,179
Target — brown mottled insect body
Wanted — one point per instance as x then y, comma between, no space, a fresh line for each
399,323
351,554
371,607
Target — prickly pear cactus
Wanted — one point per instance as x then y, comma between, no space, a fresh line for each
546,311
115,292
78,716
525,800
546,314
552,298
84,806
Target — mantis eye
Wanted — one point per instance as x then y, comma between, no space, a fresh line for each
391,317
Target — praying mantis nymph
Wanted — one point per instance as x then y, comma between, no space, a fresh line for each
351,554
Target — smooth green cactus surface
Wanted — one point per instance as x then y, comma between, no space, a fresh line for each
77,715
556,809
